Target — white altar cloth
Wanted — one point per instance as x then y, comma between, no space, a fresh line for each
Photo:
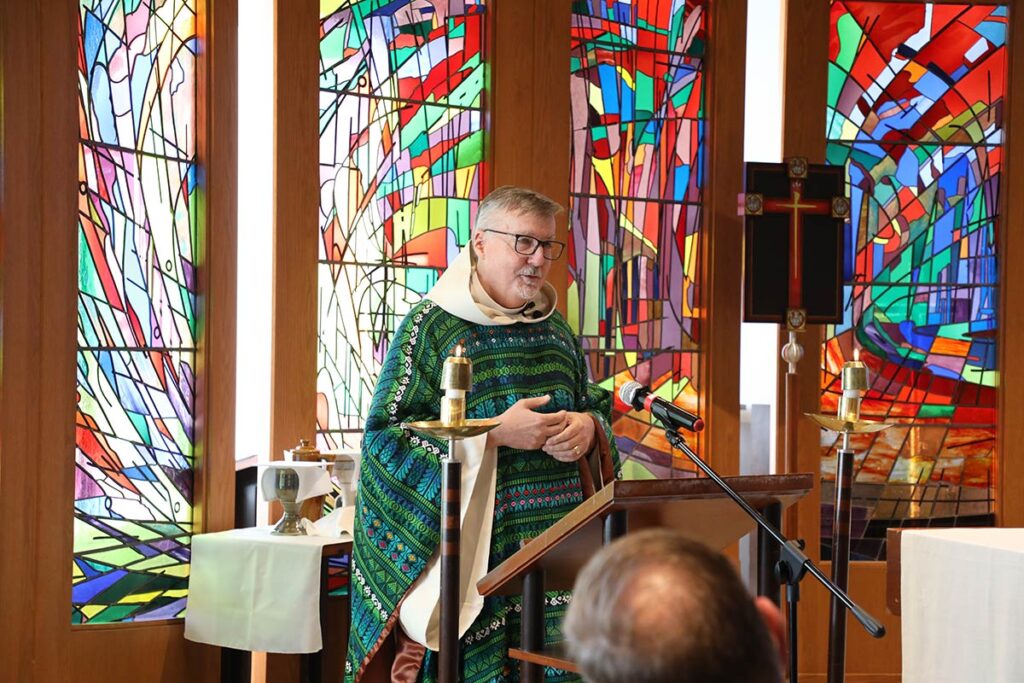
962,602
251,590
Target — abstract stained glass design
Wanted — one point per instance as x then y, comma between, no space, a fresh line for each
401,172
137,309
915,114
637,179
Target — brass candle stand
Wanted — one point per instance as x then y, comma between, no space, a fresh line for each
456,381
847,421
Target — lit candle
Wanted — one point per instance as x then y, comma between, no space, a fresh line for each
456,380
855,374
854,383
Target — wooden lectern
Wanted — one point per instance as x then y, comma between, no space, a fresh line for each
696,507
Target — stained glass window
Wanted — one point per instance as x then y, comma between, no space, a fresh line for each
637,103
915,114
401,172
137,309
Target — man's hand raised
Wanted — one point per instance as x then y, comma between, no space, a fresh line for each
524,428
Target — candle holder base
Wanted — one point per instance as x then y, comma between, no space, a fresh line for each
464,430
838,424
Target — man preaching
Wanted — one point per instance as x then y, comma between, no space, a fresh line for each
518,479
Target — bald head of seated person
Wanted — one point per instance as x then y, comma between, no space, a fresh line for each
655,607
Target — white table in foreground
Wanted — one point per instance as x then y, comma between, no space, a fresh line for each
251,590
962,594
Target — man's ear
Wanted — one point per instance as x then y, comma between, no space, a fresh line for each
477,240
772,618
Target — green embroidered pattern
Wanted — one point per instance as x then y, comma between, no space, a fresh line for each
398,519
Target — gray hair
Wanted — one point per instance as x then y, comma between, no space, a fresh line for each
655,607
518,201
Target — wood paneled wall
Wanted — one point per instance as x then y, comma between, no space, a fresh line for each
723,230
218,279
38,229
528,106
295,235
1010,466
39,184
295,231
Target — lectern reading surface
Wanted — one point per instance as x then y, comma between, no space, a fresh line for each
695,507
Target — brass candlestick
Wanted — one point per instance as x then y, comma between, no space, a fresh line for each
456,381
847,421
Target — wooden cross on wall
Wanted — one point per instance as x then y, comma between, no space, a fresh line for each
793,243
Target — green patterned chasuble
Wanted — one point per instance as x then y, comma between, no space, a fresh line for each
397,527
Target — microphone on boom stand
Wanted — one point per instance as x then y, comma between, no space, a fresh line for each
793,564
672,416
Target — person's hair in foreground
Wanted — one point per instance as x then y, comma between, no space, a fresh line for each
655,607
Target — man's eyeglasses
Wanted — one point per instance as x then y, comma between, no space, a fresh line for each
528,245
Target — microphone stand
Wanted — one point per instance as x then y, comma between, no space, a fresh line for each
793,564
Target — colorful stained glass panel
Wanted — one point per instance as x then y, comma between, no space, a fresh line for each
133,484
620,163
637,178
409,51
136,275
915,114
926,212
917,72
138,310
668,26
401,172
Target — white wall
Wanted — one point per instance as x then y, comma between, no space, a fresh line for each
255,218
759,347
762,141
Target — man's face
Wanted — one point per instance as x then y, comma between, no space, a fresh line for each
509,277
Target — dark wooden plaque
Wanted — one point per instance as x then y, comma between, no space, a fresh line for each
793,243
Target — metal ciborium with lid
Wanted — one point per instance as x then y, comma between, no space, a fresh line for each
287,482
310,508
286,486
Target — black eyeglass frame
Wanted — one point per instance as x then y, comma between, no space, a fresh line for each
540,244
